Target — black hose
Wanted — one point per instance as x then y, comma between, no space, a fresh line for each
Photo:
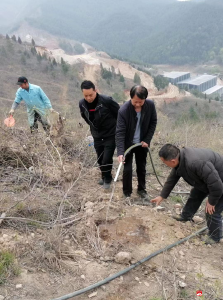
151,159
158,177
108,279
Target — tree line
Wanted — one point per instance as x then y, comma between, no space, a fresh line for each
165,32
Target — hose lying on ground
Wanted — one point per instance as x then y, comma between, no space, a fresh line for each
108,279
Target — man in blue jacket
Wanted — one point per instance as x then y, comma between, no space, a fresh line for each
37,103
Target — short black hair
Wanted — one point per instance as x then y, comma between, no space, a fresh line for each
87,85
169,152
140,91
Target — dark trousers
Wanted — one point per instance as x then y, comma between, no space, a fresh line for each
214,221
140,158
105,149
37,118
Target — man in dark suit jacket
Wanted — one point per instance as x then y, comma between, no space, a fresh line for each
202,169
100,113
136,124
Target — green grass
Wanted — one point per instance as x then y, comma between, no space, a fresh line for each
183,294
176,198
7,266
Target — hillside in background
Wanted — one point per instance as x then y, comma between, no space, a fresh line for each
150,32
61,82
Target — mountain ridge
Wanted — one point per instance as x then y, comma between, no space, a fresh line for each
149,32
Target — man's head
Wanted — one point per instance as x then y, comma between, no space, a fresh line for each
138,94
169,154
23,82
89,91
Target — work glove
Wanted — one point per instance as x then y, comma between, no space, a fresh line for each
11,113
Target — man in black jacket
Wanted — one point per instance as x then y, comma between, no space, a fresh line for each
136,124
202,169
100,112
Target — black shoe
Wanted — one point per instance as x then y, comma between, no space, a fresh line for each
101,181
181,219
106,185
126,195
143,194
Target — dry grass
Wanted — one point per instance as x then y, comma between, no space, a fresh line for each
52,194
96,244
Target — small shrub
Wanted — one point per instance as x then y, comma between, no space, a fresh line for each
176,198
7,266
183,294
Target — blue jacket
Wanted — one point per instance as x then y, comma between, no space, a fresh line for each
36,101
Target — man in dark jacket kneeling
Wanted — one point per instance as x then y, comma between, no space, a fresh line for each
202,169
100,113
136,124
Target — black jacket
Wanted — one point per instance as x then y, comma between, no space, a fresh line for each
202,169
105,117
127,121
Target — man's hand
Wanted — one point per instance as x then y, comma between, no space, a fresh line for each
121,159
11,113
144,145
210,209
157,200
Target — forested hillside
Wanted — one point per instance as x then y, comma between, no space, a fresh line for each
153,32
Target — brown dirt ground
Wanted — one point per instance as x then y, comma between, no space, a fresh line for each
55,260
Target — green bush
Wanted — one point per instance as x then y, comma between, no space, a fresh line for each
7,266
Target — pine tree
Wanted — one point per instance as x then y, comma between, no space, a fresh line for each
65,67
54,62
33,43
137,79
122,79
160,82
7,37
39,57
113,71
26,54
19,40
14,38
33,50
